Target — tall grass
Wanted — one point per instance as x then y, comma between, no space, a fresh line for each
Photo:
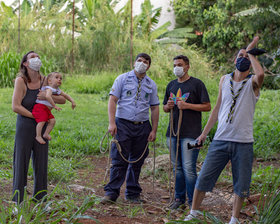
102,40
42,30
266,124
99,83
97,45
269,204
63,210
10,66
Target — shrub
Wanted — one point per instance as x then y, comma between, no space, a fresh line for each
272,82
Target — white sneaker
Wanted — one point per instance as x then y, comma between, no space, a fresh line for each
233,220
189,217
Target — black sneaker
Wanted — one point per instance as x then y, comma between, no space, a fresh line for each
133,200
107,200
177,204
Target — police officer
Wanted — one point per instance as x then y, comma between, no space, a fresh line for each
134,93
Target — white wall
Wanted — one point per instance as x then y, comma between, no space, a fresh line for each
167,13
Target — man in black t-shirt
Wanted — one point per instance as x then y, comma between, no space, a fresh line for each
190,95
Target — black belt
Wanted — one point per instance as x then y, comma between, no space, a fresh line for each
135,122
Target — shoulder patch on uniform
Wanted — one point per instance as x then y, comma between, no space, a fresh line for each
146,95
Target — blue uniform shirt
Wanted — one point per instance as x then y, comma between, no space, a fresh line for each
134,100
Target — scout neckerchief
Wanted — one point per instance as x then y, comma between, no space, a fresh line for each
138,90
234,97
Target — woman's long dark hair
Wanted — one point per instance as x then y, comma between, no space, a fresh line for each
23,70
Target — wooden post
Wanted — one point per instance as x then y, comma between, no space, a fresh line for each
18,26
73,30
131,34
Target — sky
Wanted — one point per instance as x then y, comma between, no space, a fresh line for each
7,2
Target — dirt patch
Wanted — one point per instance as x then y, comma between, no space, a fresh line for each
153,210
90,180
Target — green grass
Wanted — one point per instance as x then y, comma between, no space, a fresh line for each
269,204
266,124
78,132
65,210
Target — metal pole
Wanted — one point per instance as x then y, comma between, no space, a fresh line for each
18,25
131,34
73,30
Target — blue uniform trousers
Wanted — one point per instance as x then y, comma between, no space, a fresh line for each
133,139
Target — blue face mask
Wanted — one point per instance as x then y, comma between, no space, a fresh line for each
242,64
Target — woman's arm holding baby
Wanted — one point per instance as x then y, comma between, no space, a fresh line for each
59,99
50,99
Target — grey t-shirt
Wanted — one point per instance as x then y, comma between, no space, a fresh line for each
196,93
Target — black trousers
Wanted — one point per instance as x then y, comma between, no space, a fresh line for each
26,146
133,139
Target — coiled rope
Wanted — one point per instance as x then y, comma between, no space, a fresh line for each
109,146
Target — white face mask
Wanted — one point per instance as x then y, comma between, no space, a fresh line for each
140,67
178,71
35,64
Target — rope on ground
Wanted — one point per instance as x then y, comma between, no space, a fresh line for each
171,130
103,151
154,167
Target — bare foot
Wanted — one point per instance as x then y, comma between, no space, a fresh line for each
40,140
47,136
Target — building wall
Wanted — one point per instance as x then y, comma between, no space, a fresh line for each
167,13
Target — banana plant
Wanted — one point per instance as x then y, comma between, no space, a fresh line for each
177,36
146,22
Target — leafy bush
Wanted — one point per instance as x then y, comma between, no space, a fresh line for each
226,26
97,45
272,82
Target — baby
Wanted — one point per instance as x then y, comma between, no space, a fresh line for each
42,110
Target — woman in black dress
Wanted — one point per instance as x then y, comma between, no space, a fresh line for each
26,89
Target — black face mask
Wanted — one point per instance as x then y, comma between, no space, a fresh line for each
242,64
